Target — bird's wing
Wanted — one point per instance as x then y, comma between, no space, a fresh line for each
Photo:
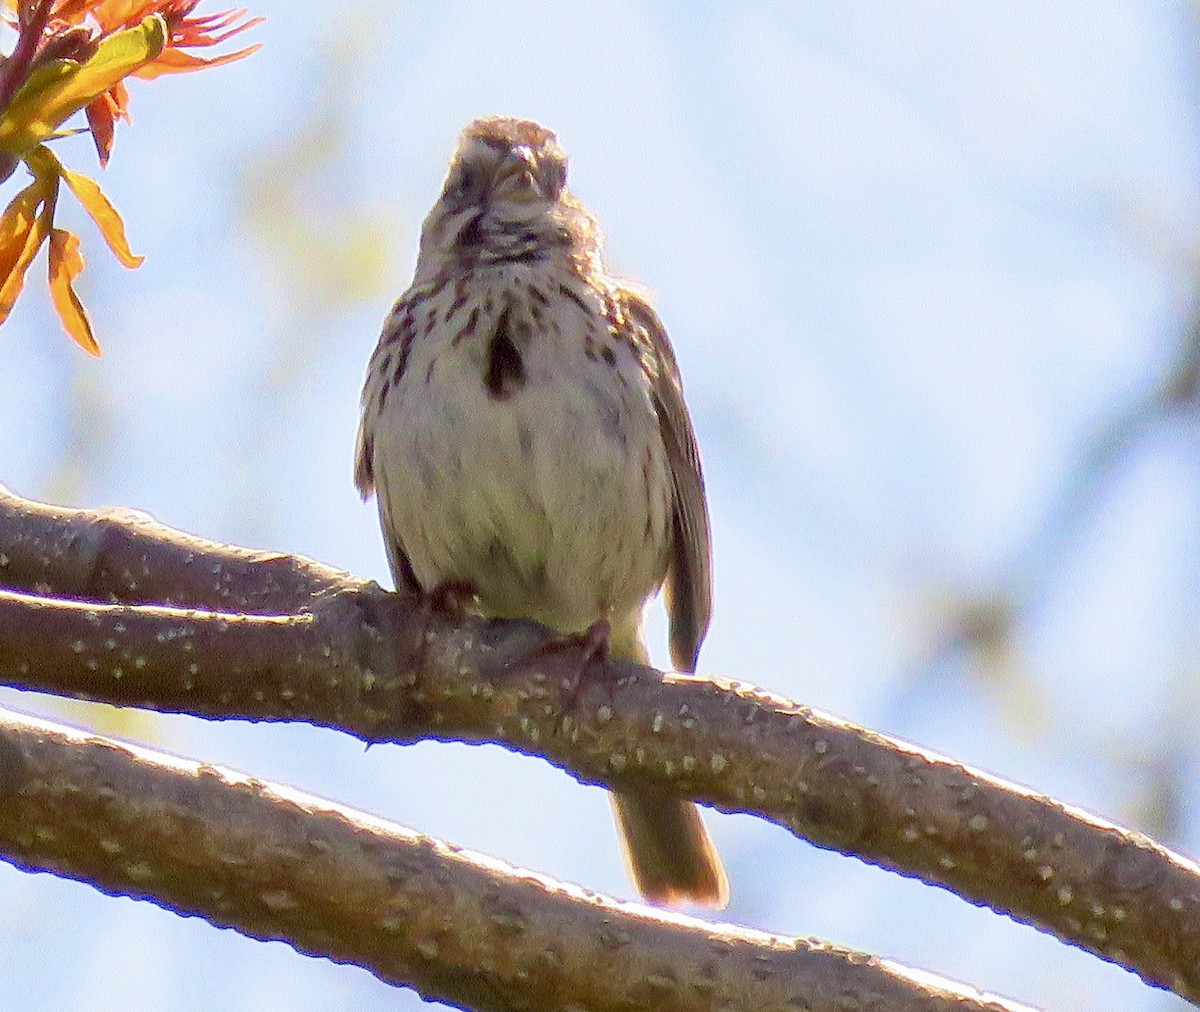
688,583
403,575
387,364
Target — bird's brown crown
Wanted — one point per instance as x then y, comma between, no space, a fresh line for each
504,132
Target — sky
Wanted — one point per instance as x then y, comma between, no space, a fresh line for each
919,263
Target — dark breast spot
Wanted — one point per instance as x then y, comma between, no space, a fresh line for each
400,341
504,373
468,328
471,234
575,297
609,355
460,299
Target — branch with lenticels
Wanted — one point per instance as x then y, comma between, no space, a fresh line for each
276,864
110,606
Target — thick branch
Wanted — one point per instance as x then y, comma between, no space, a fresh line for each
125,557
381,666
276,864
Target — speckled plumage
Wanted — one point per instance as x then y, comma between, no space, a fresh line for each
525,432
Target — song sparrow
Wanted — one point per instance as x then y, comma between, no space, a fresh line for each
525,430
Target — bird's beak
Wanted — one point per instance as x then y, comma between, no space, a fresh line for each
518,179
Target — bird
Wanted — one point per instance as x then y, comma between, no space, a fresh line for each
525,434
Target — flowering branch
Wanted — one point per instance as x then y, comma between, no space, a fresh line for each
72,56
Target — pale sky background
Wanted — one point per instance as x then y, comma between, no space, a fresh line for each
913,258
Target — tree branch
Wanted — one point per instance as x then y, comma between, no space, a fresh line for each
383,667
276,864
122,556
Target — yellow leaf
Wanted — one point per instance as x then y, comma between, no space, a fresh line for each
16,222
66,262
46,165
63,87
22,232
106,217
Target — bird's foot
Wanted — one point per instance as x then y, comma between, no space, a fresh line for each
584,655
448,599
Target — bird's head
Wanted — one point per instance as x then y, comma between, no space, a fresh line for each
511,168
505,197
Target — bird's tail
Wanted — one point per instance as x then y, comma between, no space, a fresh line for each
670,855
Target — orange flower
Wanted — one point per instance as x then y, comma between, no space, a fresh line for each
72,55
92,20
183,31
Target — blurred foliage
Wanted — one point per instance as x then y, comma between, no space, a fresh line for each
327,243
326,247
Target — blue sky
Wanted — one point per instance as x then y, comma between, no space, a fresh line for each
913,258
